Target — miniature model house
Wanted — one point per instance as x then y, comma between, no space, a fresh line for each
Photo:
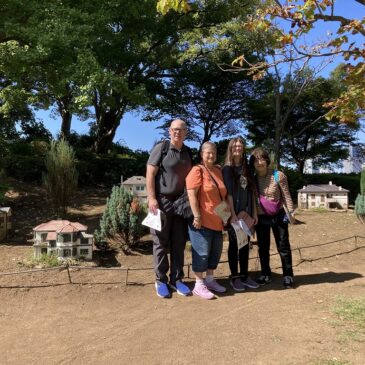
137,186
63,239
328,196
5,222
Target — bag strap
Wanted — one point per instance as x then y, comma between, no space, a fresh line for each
215,182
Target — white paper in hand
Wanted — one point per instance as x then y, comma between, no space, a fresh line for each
154,221
242,237
245,228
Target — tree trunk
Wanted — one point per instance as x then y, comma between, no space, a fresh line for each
107,125
278,129
66,116
64,105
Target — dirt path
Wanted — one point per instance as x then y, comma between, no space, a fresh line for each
45,320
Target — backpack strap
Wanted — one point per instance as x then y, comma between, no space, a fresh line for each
276,176
164,151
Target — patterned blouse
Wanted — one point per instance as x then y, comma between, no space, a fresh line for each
271,190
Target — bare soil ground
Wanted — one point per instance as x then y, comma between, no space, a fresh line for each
98,320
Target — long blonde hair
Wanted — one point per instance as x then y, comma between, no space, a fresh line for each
229,153
229,159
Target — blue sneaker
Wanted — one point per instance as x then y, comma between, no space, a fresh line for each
162,290
181,288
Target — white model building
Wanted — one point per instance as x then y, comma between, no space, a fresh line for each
63,239
323,196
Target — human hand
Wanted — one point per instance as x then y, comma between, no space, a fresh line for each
153,205
233,219
197,222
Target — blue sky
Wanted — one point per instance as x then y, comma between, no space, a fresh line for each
141,135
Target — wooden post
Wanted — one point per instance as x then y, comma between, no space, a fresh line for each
126,278
68,273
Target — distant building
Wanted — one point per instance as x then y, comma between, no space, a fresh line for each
353,164
5,222
63,239
137,186
355,161
323,196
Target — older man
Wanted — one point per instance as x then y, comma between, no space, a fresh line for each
166,172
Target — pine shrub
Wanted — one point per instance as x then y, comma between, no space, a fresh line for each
60,178
121,220
360,200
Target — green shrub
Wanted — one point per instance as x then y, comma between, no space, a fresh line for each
44,261
121,220
60,178
25,161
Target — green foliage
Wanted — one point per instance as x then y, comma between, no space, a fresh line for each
25,161
60,178
121,220
44,261
360,200
3,189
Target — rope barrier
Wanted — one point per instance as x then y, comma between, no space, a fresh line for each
67,267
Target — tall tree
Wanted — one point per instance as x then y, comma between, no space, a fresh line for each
288,23
212,102
40,47
305,133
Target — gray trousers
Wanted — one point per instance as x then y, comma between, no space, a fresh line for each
172,238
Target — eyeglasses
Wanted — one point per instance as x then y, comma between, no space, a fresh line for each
175,130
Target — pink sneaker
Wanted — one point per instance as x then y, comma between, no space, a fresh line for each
213,285
202,291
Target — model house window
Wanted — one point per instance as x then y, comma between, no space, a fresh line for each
84,241
74,251
74,237
66,237
84,252
44,251
43,237
52,243
66,252
313,196
322,198
313,204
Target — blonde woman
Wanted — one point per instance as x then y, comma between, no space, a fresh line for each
240,187
206,190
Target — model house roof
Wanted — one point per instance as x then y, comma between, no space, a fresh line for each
134,180
323,188
60,226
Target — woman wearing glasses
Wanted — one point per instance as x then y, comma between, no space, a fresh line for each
206,191
273,193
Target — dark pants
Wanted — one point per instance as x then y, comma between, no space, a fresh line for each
172,238
281,235
236,257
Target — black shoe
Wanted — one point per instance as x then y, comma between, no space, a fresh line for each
288,282
264,279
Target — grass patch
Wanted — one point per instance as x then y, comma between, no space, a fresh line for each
319,210
351,316
334,361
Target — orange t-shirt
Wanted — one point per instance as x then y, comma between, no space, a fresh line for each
208,194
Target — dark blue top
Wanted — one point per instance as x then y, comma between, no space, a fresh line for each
237,186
